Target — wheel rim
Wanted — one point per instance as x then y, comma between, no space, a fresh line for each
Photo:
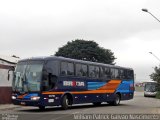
67,102
117,100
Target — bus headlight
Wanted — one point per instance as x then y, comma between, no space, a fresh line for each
35,98
13,97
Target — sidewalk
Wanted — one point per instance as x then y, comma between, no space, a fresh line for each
7,106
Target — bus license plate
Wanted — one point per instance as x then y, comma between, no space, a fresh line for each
23,103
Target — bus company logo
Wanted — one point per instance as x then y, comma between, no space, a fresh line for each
73,83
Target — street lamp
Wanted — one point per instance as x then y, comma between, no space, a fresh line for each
155,56
146,10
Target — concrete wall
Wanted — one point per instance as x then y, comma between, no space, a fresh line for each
5,84
4,78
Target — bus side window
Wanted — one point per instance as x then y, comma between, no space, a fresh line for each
94,71
102,72
112,73
67,69
117,75
81,70
130,74
91,71
122,74
78,70
107,73
84,69
70,70
125,74
63,68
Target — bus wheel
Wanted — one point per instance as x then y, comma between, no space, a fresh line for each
41,108
65,102
116,101
97,103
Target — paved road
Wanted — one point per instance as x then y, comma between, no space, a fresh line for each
138,105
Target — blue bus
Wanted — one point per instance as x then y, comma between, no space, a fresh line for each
59,81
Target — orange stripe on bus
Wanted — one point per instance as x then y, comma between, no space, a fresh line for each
109,87
21,96
93,92
46,93
82,92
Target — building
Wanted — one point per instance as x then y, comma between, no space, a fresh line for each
7,65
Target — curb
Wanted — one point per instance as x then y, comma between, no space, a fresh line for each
7,107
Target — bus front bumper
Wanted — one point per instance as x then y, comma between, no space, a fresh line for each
152,94
26,102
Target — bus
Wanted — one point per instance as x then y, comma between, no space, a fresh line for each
150,89
59,81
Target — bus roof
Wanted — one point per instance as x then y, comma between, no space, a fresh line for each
71,60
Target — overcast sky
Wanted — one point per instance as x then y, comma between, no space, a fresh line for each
39,27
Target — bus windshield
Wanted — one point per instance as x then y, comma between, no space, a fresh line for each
150,87
28,76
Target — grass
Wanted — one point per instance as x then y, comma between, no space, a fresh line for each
139,89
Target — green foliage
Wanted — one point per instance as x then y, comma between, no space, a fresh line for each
155,76
158,95
86,50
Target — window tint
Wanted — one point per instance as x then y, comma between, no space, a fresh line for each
81,70
93,71
122,74
96,72
52,67
112,73
125,74
102,72
116,72
130,74
64,68
67,68
105,72
70,70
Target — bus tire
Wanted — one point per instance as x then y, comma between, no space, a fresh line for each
116,100
41,108
65,102
97,103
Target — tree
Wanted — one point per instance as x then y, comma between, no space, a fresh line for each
86,50
155,76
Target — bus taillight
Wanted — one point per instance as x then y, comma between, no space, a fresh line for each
131,87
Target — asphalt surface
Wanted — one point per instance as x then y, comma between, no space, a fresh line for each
139,105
